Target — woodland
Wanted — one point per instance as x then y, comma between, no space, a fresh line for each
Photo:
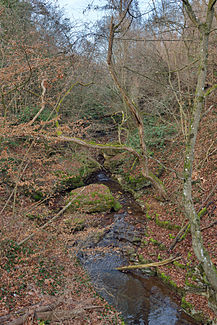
133,94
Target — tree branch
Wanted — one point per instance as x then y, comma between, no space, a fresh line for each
51,220
123,15
210,90
211,4
143,266
191,13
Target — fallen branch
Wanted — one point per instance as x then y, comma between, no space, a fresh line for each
48,313
51,220
60,315
21,320
154,264
93,145
202,211
179,236
185,229
27,312
209,226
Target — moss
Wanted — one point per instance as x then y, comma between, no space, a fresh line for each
37,218
189,308
165,224
186,305
166,279
71,182
186,232
137,182
117,206
136,240
37,195
72,178
95,198
148,216
76,224
179,265
141,259
156,243
144,243
202,212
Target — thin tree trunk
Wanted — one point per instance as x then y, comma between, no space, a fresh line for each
143,160
194,219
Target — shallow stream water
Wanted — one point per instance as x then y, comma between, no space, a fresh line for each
142,299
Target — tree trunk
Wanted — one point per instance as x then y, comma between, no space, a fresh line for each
143,160
197,240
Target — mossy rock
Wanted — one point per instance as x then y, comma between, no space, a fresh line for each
137,182
93,198
68,181
117,163
72,178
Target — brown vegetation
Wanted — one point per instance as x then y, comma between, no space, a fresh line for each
57,99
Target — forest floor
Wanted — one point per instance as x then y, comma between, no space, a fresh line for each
40,276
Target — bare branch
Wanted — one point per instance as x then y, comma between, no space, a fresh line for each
51,220
191,13
211,4
123,15
154,264
210,90
43,85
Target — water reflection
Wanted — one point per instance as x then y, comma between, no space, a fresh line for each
141,300
161,309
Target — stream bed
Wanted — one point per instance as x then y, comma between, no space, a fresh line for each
141,298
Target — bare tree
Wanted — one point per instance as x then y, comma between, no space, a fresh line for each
143,157
204,28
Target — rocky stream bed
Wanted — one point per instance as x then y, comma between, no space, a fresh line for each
141,297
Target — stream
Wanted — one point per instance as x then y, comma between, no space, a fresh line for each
141,298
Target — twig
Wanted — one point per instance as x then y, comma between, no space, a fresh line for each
182,231
209,226
143,266
43,85
20,173
51,220
202,162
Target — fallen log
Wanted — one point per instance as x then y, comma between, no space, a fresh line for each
143,266
47,313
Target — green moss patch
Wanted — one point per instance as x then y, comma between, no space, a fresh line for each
138,182
72,178
93,198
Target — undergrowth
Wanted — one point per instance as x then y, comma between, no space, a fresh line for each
23,267
155,133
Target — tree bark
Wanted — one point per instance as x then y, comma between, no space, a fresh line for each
199,101
143,158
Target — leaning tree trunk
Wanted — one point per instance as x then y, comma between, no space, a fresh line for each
143,158
199,100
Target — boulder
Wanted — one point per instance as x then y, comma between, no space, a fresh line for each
93,198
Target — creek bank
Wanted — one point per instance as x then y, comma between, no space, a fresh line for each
141,298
